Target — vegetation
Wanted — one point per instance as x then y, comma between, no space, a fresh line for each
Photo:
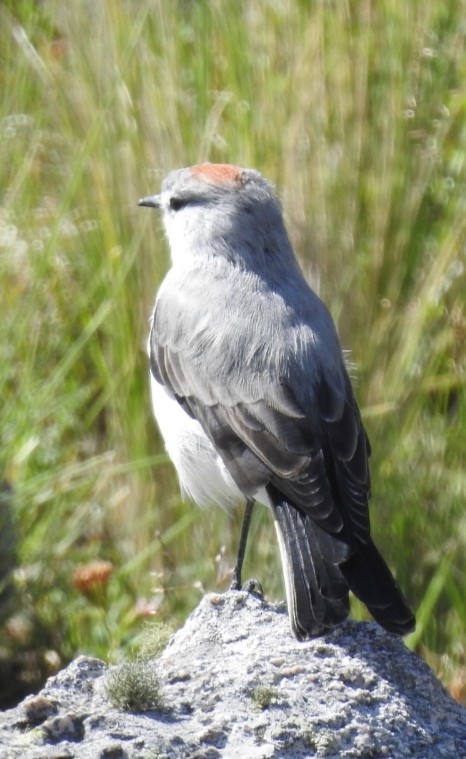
134,686
264,696
357,111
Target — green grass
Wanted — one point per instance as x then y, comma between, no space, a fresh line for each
357,111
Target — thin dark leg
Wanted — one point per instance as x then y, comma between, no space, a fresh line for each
236,579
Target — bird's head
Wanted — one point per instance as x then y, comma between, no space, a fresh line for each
221,210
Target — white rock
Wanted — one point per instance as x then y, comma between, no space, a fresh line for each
237,685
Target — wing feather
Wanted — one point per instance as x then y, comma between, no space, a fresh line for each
285,421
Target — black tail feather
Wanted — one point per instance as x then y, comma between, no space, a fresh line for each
316,590
371,581
320,569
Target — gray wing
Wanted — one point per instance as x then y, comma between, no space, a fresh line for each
278,416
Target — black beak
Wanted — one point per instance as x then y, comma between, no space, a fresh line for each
151,201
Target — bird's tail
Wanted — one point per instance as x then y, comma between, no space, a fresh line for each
372,582
320,570
317,593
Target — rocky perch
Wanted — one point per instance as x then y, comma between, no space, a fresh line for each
233,682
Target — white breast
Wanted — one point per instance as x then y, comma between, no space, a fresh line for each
201,472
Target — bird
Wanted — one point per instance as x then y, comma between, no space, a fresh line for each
253,398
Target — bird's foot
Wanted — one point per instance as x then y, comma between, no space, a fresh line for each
251,586
254,587
235,583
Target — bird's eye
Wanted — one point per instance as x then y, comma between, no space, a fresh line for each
177,203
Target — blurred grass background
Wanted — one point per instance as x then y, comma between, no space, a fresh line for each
357,111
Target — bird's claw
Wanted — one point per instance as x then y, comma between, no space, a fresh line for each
251,586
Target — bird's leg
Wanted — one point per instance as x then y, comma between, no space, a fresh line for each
236,579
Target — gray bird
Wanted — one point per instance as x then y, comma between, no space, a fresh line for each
253,399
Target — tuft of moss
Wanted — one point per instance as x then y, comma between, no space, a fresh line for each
264,696
134,686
